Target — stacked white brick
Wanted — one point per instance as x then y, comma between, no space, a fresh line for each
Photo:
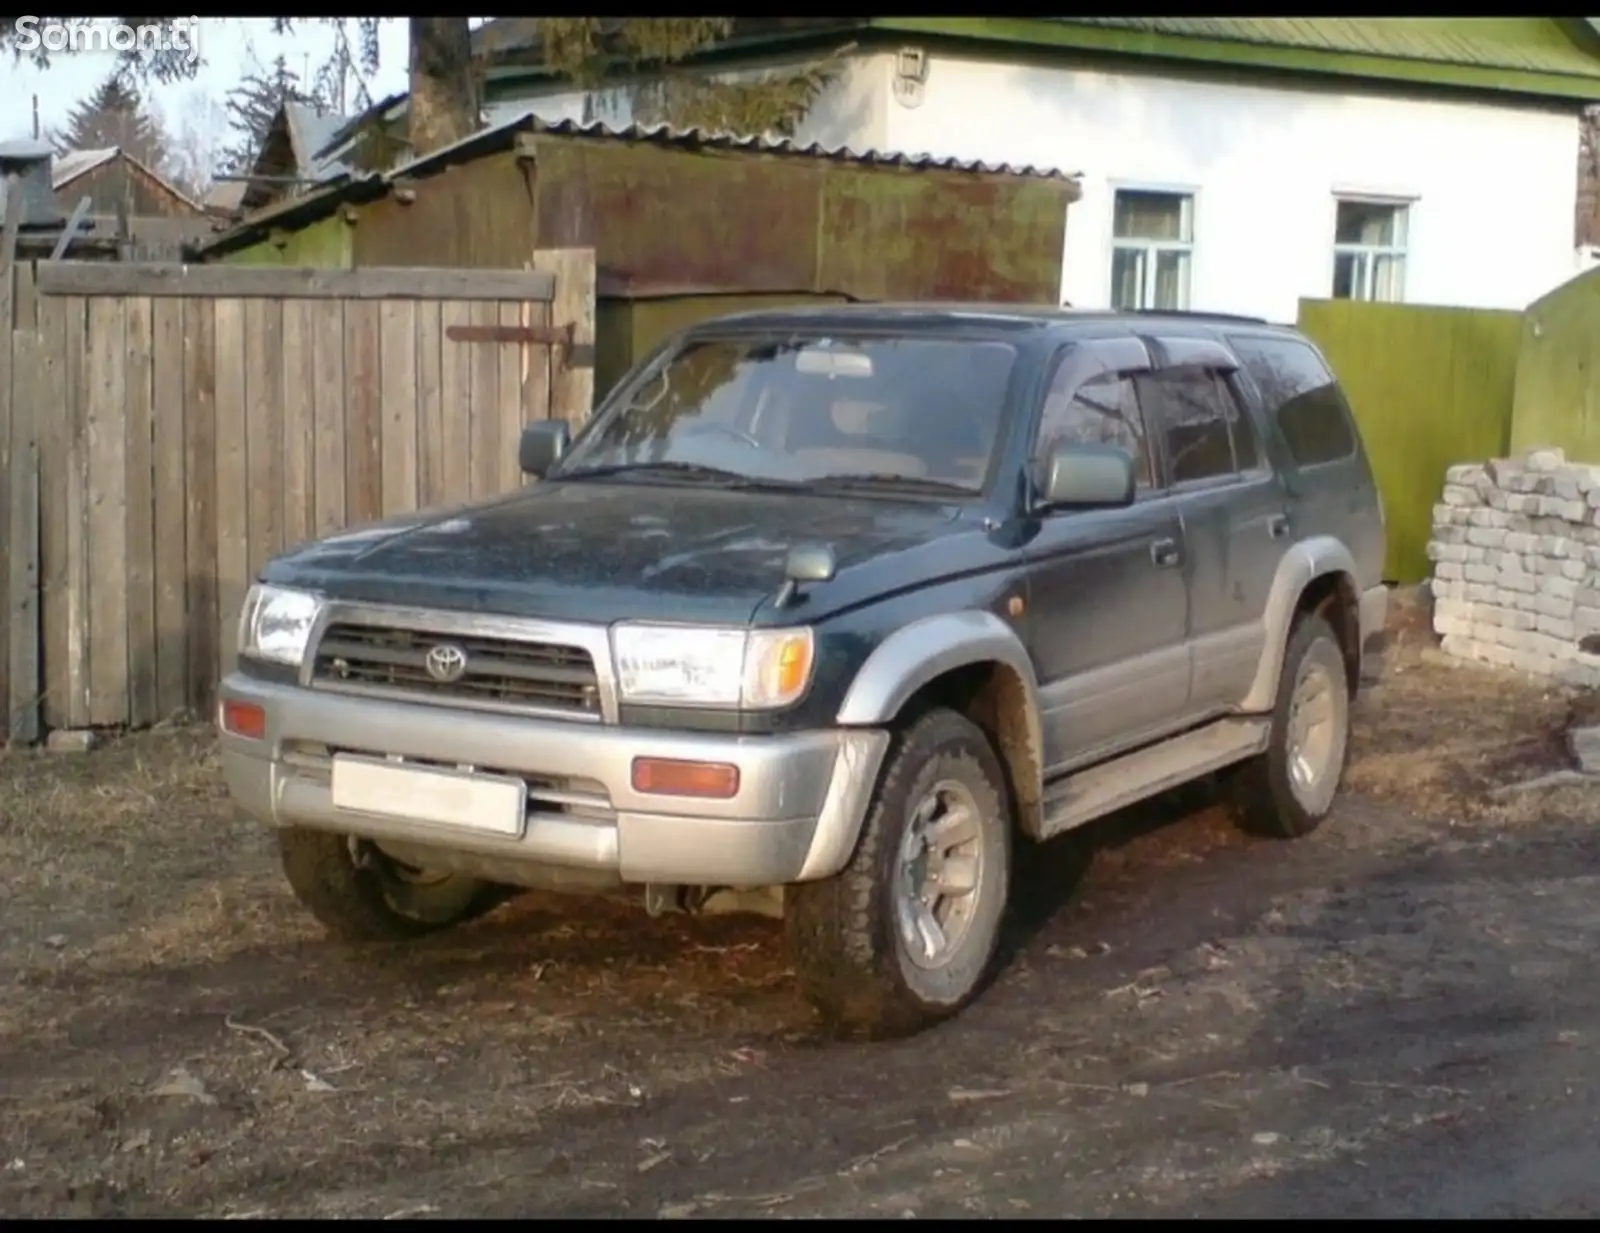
1516,577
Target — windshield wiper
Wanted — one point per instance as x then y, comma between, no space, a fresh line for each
688,470
882,480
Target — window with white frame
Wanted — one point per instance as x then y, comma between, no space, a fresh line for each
1152,245
1369,249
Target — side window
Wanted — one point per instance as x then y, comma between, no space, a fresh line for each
1301,396
1191,408
1101,410
1246,440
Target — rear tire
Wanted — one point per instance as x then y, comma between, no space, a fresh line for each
1287,791
906,934
360,895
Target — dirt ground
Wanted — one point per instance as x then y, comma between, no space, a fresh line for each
1399,1015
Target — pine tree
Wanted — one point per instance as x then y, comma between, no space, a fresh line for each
251,106
113,115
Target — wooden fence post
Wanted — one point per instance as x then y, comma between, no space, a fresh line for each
572,366
22,382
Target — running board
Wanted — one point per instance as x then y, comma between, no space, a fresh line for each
1124,781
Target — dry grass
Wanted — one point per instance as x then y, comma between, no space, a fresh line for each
147,930
1437,736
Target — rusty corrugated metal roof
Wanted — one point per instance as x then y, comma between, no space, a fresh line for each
520,118
297,212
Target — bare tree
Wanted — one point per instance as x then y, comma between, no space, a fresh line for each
444,79
589,50
192,152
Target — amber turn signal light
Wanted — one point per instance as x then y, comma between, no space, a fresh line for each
717,781
244,719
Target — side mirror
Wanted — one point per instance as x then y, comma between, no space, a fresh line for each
805,563
542,446
810,563
1087,477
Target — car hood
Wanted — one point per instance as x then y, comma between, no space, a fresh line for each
599,550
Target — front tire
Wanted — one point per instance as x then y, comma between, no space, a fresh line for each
359,894
906,934
1287,791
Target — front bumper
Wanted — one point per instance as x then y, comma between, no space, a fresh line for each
795,817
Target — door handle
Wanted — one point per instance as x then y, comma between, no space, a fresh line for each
1164,552
1278,526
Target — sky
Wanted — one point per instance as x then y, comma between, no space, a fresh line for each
230,48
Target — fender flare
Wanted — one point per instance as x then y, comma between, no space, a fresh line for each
1302,565
913,656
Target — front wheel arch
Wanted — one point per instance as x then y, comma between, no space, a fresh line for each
973,663
843,931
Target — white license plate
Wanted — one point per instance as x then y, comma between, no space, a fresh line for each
445,798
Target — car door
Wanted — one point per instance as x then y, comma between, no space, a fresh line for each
1108,611
1233,506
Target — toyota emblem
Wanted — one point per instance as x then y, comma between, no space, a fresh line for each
446,663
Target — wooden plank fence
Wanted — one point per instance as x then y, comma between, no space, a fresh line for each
165,430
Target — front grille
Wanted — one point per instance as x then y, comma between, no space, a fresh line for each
497,670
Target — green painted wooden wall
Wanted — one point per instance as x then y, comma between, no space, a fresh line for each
1557,399
325,244
627,330
1430,387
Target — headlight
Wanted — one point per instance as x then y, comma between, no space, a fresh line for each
756,669
276,624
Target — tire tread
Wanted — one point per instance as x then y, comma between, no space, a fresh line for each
839,929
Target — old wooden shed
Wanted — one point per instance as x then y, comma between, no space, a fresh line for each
127,198
685,225
130,212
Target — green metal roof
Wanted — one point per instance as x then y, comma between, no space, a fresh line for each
1542,56
1554,58
1536,45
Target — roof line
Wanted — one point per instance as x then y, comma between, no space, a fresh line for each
348,129
1063,35
313,206
164,182
87,161
109,154
666,134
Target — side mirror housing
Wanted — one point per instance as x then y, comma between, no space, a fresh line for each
810,563
542,446
805,563
1088,477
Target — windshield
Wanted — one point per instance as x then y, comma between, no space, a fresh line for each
925,411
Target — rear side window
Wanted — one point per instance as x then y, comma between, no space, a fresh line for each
1190,407
1302,396
1203,424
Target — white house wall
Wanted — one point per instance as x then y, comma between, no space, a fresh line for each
1493,186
